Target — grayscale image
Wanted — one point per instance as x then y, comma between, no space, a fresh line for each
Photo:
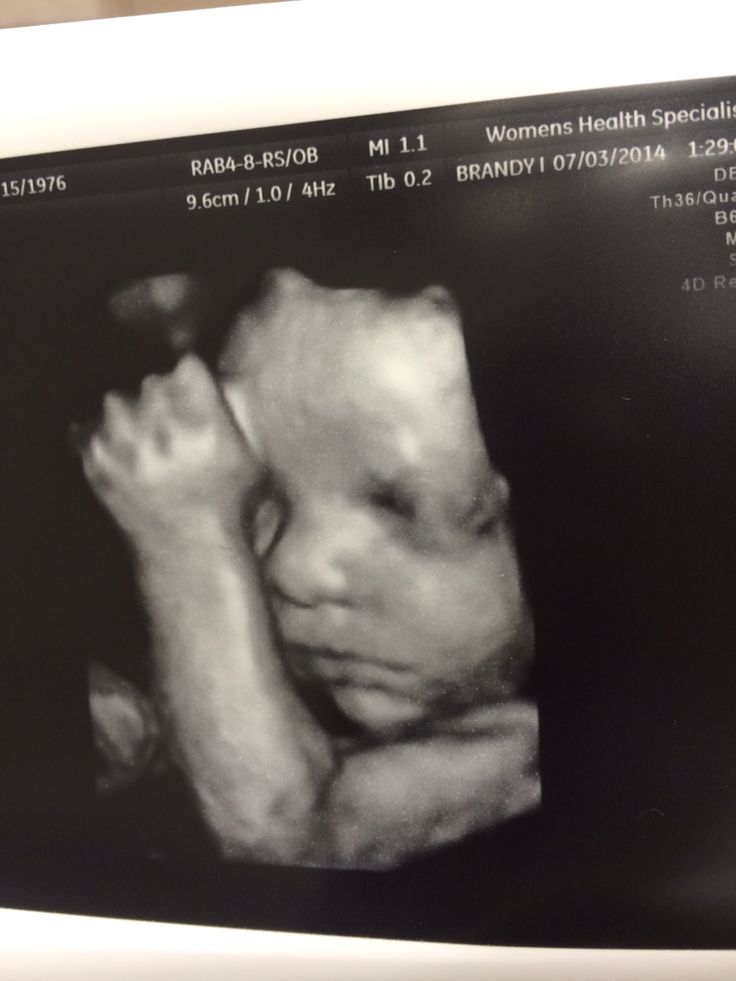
320,515
368,524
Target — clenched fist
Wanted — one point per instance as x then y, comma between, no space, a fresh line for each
172,457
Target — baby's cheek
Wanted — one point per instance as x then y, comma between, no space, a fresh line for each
465,608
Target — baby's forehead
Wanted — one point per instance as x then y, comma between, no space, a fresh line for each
361,381
298,330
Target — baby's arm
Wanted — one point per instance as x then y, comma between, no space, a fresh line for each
174,471
403,799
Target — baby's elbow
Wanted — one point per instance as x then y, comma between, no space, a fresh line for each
273,825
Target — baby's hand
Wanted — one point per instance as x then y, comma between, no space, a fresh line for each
172,457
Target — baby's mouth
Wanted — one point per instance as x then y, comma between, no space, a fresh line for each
372,696
328,663
339,668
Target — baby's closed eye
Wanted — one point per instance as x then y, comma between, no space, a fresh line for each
392,499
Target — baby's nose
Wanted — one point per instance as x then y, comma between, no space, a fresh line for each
313,565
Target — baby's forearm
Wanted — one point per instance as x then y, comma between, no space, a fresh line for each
256,760
175,472
401,800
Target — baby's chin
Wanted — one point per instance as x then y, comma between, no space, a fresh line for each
377,710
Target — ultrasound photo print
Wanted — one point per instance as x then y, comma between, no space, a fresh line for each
369,499
340,640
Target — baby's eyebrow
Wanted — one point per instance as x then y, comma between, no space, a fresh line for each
403,475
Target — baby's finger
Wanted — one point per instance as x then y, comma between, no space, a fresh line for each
155,403
191,373
117,418
108,459
115,421
97,463
193,390
117,433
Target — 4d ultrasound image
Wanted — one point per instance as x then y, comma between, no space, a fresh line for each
369,524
